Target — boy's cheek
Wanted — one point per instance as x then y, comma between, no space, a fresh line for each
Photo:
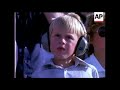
71,49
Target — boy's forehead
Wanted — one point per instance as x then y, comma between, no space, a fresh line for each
63,29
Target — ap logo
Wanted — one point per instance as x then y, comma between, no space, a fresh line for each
98,16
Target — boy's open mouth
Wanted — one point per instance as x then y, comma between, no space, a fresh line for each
60,48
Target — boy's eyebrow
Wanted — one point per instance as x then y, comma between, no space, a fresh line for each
69,35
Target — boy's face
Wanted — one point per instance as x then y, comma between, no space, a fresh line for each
62,43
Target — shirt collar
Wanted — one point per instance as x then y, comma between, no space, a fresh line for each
78,61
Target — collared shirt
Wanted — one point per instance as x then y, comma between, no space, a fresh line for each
93,60
80,69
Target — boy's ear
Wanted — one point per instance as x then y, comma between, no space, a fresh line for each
45,41
82,46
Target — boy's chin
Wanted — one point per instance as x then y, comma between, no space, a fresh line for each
61,57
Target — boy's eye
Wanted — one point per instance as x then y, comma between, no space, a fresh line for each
57,35
69,37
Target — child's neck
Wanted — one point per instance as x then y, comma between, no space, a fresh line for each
64,62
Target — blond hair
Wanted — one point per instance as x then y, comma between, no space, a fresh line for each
71,22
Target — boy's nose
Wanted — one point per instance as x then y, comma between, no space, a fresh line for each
62,41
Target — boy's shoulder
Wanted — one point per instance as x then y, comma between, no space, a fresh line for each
84,63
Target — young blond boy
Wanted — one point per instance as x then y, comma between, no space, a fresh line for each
64,33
